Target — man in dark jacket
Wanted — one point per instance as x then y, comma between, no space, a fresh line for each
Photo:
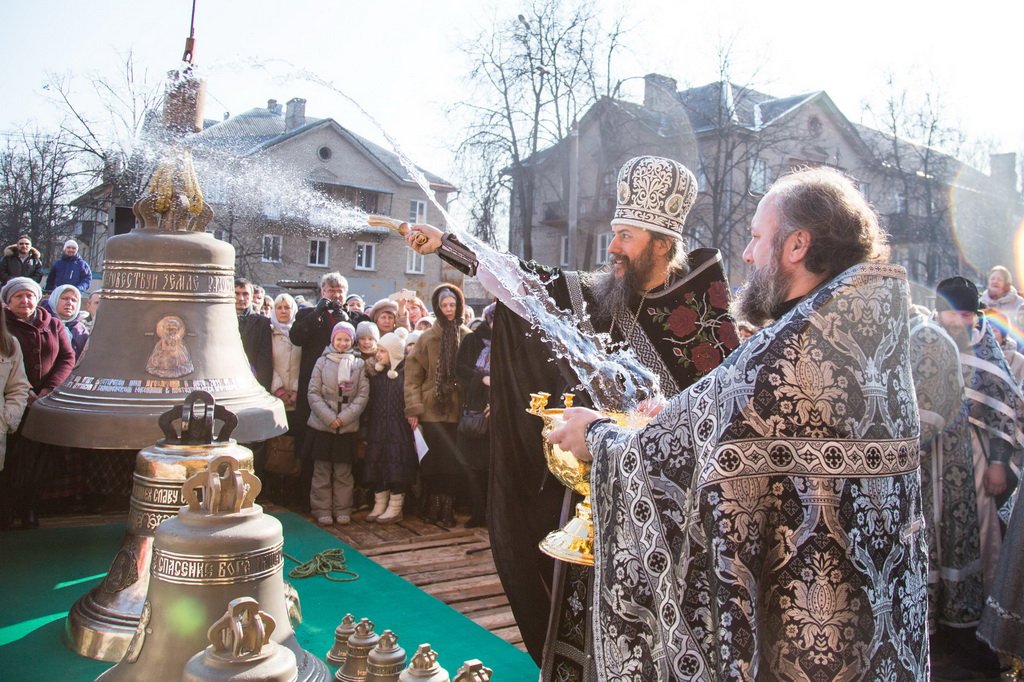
70,268
258,345
312,333
255,332
21,260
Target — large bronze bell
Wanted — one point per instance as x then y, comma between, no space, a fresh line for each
218,548
101,624
167,328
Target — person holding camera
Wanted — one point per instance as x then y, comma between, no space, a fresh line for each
311,332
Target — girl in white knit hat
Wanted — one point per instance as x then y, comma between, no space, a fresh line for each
391,462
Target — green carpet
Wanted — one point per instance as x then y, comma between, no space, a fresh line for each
43,572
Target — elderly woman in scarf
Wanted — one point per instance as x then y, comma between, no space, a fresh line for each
473,371
285,381
433,402
49,360
65,303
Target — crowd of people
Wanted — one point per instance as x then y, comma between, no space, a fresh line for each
41,339
371,423
827,490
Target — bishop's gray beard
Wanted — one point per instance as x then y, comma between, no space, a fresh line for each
762,295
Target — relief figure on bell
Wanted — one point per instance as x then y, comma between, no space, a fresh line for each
170,357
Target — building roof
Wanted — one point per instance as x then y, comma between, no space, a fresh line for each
259,129
945,167
716,104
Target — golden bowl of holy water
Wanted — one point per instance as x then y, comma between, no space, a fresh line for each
574,541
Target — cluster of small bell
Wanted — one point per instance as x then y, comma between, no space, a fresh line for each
361,655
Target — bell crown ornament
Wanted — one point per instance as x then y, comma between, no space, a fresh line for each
197,415
359,645
174,201
336,656
241,649
473,670
242,632
424,667
224,488
386,659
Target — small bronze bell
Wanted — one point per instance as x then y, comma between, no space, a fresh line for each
241,649
101,624
359,645
473,670
218,548
386,660
424,667
336,656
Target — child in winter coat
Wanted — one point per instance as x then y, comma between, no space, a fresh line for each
391,462
338,393
367,336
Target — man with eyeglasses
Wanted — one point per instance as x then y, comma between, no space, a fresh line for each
21,260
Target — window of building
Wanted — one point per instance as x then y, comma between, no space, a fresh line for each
564,259
702,178
865,189
603,240
272,208
214,189
901,202
758,180
413,262
366,256
272,248
417,212
324,153
318,253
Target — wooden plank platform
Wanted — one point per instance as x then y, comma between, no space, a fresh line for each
452,564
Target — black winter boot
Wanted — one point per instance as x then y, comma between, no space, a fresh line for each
433,511
447,516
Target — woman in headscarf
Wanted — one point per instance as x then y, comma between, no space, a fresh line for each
65,303
49,360
474,377
282,452
432,401
285,382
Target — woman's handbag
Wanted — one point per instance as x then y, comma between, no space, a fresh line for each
281,457
473,423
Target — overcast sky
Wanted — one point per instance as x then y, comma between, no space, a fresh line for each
401,59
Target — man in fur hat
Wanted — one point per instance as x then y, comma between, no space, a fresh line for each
21,259
669,306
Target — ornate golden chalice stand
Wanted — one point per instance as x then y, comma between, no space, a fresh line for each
574,541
